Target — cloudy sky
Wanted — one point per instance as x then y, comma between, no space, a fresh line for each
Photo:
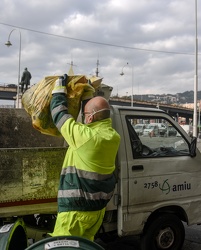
155,37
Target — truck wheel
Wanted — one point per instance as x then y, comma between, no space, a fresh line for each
165,232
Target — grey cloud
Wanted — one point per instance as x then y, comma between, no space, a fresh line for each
138,28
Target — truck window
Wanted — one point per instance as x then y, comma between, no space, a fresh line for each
150,137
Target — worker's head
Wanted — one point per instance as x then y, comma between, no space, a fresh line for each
25,68
96,109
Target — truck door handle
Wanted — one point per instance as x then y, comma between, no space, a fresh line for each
137,167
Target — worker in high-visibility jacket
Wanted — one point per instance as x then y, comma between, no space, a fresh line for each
87,178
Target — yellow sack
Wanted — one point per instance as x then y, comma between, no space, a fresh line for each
36,100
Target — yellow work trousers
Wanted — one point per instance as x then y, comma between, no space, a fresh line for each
78,223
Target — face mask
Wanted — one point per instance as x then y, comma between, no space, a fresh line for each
85,120
92,114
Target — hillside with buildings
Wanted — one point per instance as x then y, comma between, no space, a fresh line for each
186,97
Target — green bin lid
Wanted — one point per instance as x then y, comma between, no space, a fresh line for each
13,236
65,243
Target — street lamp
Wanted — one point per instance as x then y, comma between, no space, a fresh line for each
122,73
8,43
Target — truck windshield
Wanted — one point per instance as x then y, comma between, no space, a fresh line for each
156,138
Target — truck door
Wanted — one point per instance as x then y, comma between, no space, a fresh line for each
161,173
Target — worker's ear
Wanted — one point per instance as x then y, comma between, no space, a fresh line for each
91,118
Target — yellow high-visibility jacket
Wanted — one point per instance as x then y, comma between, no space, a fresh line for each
87,181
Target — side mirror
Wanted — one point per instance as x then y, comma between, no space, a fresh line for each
193,147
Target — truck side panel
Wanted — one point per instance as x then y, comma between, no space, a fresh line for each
161,174
29,177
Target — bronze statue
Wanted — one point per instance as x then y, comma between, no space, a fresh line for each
25,80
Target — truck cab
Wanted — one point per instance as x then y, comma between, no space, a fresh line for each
158,180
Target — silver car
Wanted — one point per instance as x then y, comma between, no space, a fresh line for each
139,128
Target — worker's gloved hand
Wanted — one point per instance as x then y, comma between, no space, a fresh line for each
88,92
60,86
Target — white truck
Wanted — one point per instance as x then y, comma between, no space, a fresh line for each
188,129
157,186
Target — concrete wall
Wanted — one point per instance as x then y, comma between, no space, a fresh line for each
16,131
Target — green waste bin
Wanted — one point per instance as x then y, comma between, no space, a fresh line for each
13,236
65,243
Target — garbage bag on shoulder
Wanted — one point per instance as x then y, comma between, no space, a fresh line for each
36,100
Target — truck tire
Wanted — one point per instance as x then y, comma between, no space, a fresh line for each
164,232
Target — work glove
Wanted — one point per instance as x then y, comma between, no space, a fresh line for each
60,86
88,92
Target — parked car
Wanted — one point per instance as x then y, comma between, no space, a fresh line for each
162,128
171,131
151,130
139,128
11,85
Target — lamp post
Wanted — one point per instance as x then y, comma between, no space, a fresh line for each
122,73
8,43
199,119
195,76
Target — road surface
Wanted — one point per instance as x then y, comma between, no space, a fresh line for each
192,241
